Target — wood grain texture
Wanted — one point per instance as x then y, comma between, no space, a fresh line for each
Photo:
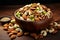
8,10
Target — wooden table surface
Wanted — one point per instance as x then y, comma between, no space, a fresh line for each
8,10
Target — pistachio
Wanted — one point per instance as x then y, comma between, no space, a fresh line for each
13,21
17,29
16,26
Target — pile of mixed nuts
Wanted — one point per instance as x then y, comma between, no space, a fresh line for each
14,30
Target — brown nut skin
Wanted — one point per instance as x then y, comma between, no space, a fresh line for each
19,34
13,36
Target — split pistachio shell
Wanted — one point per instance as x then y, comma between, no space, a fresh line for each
13,21
17,29
16,26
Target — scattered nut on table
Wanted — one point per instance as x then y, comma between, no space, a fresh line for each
19,34
13,36
51,30
10,34
6,25
15,32
26,33
44,32
5,28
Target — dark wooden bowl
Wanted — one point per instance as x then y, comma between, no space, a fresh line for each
33,26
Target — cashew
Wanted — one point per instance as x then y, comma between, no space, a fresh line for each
44,33
28,19
21,18
51,30
10,27
38,3
58,24
55,23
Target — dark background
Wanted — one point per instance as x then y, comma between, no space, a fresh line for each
15,2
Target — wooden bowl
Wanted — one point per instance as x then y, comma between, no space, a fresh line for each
33,26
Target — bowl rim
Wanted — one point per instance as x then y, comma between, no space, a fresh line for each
32,21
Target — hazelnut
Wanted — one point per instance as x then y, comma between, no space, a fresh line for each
19,34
